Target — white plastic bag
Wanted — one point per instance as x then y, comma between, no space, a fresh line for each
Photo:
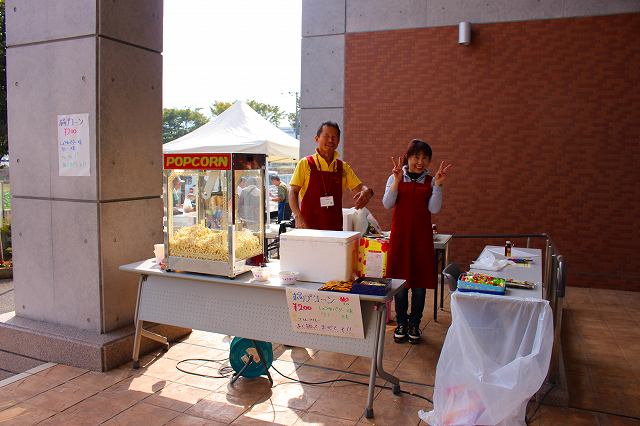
495,357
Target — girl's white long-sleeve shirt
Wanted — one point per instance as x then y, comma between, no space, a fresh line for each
390,197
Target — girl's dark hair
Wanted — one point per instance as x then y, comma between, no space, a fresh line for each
415,147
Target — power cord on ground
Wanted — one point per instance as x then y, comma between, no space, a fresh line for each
226,372
349,381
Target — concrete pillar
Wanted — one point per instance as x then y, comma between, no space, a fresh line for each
70,234
322,82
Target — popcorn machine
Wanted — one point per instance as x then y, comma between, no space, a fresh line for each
215,212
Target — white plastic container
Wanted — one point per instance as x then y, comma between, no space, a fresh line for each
319,256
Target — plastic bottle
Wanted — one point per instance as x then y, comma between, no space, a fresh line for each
507,249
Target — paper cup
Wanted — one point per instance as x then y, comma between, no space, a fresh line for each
158,250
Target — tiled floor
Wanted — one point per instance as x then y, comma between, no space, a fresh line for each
600,339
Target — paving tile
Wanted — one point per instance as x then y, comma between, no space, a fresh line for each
217,407
211,383
62,397
340,404
96,409
392,415
421,371
162,368
310,374
331,360
142,413
551,416
292,354
134,389
386,397
24,389
177,397
61,373
102,381
314,419
211,340
24,414
247,391
182,351
268,413
296,395
362,365
186,420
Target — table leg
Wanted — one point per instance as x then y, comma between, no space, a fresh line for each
368,410
138,334
136,345
442,266
435,294
141,332
380,353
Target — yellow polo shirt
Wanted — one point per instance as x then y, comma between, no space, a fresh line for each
303,172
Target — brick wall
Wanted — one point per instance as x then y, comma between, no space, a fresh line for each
541,120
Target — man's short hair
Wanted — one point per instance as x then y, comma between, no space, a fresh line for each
329,124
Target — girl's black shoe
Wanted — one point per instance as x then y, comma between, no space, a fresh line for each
414,333
400,334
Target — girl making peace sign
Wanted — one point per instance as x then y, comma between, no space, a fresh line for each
415,196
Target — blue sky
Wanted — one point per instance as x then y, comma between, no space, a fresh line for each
231,49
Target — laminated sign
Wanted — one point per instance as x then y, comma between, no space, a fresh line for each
74,149
372,257
323,312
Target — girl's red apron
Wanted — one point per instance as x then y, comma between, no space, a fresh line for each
411,255
323,184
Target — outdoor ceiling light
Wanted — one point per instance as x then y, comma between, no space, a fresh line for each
464,33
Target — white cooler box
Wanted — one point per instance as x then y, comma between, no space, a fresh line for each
319,256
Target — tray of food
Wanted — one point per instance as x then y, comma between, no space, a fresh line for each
371,286
481,283
337,285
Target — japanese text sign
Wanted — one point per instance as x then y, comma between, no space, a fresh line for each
322,312
74,149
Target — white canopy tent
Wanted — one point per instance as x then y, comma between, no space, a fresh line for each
238,130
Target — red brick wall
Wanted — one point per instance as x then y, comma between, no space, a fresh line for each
541,120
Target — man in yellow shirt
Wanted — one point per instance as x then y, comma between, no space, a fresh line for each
317,184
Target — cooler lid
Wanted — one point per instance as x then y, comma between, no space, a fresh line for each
320,235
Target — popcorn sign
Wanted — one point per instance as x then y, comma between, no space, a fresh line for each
74,155
197,161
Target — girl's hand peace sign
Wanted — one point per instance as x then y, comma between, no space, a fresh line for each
397,168
441,174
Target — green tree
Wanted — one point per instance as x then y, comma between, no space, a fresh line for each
270,112
294,117
218,107
178,122
4,137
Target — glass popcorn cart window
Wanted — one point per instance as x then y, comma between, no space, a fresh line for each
215,212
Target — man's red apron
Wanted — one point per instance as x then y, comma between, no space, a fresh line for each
323,184
411,256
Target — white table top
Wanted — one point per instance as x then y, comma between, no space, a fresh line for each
441,241
150,267
532,273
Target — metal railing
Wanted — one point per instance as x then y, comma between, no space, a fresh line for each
553,285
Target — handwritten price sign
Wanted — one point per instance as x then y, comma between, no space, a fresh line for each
74,155
321,312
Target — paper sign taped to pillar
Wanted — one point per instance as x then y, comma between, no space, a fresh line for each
74,145
323,312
